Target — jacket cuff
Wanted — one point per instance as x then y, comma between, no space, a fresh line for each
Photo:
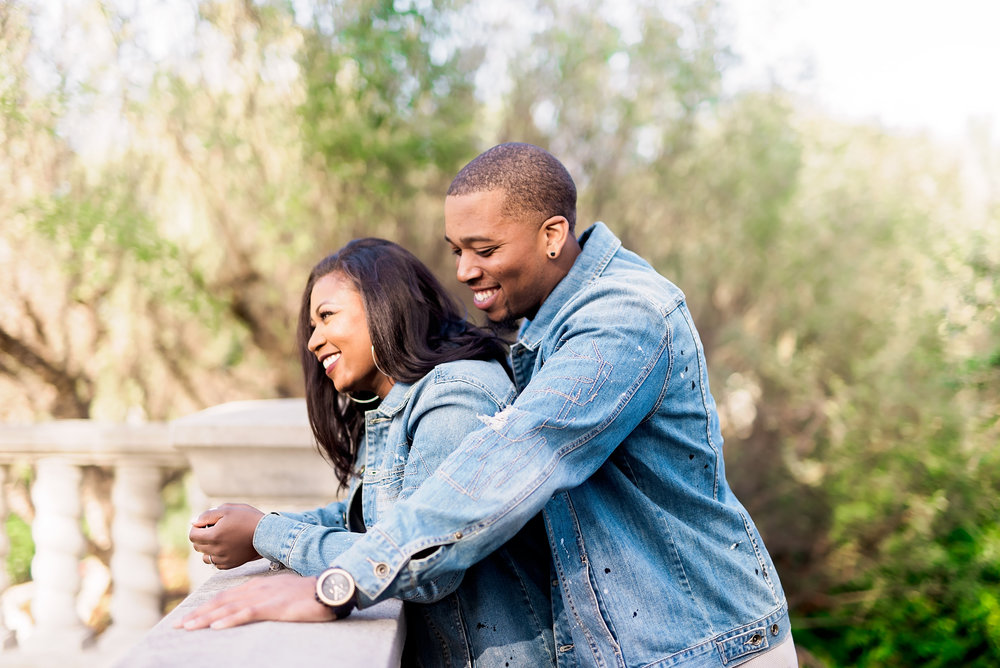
274,537
374,561
307,549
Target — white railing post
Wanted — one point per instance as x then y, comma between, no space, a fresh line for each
59,546
198,570
7,638
135,598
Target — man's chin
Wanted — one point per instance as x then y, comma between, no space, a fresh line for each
506,327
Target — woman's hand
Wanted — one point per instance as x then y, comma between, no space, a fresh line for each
224,535
286,597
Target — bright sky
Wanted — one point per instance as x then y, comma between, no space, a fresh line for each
910,64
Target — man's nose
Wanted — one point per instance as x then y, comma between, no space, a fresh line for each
466,268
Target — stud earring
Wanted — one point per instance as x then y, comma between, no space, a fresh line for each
552,254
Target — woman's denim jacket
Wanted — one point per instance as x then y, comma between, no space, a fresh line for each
615,437
501,611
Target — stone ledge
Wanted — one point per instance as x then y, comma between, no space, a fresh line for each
370,638
258,452
87,442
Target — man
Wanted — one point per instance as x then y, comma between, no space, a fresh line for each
614,438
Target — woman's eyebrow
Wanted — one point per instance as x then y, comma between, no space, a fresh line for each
321,304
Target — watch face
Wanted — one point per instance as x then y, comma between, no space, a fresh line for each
336,587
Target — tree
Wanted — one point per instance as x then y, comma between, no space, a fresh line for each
263,141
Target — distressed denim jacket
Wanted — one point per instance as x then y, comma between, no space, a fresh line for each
500,612
615,438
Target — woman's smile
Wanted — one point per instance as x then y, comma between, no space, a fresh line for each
329,361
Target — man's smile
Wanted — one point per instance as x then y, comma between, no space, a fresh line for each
481,298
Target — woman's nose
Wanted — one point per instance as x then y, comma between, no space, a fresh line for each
316,341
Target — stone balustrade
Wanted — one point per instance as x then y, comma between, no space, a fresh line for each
369,638
259,452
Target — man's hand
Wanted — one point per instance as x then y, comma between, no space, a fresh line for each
286,597
224,535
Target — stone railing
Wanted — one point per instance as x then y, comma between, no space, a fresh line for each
259,452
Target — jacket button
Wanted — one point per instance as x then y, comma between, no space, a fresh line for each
774,629
755,639
381,569
458,535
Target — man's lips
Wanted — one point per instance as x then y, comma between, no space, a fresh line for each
482,298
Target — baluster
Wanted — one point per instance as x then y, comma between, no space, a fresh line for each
198,570
137,589
55,568
7,638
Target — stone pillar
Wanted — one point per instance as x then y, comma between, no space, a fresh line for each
135,573
59,546
198,570
7,638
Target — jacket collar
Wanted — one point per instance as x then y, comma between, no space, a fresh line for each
394,401
598,246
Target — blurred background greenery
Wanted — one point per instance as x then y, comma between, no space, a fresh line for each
172,170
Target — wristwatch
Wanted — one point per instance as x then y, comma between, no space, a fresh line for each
335,589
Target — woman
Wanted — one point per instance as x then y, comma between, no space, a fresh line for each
387,402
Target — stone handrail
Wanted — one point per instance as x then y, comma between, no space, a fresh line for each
369,638
258,452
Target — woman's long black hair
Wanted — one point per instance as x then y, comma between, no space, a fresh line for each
414,326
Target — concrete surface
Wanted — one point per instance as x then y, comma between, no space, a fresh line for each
370,638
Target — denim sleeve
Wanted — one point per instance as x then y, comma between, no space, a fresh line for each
444,411
332,515
606,373
304,542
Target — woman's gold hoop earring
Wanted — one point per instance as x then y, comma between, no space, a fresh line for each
376,363
362,401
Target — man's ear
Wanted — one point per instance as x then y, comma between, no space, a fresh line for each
555,231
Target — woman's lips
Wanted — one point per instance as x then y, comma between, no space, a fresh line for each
329,362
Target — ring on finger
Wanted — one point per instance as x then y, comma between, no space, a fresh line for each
210,560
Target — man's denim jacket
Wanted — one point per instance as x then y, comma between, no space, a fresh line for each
615,437
501,611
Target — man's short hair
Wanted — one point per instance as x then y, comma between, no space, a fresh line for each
533,180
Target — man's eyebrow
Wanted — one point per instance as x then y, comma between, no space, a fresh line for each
470,240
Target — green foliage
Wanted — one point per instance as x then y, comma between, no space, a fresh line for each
933,601
22,549
176,519
389,112
101,235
